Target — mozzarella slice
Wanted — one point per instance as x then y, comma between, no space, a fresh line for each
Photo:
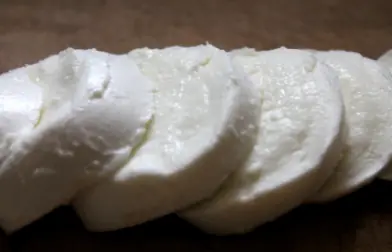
297,147
204,128
367,94
20,105
95,109
385,60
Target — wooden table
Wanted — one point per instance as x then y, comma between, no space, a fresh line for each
33,29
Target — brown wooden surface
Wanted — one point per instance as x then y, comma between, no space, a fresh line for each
33,29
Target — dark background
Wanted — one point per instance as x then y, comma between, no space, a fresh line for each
33,29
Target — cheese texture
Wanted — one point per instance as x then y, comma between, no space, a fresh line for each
297,147
367,91
95,107
20,104
385,60
206,115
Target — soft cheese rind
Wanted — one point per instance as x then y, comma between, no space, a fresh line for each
297,147
94,111
204,128
367,92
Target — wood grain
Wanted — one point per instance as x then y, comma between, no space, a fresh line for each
31,30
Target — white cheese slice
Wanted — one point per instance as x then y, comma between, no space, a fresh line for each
385,60
95,109
297,148
367,94
204,128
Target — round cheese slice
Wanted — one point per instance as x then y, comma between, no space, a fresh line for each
297,147
204,127
367,95
95,108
